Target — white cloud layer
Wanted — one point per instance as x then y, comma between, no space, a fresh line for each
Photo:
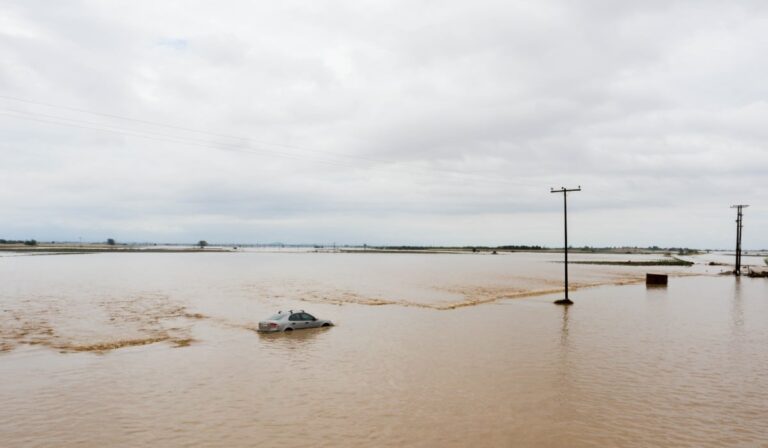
384,122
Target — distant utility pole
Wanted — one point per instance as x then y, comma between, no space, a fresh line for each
565,191
739,216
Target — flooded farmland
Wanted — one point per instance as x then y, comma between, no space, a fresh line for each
429,350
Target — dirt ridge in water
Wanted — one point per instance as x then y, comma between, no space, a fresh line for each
53,322
473,295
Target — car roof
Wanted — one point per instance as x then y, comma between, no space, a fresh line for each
289,312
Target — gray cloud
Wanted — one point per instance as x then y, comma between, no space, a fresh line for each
427,122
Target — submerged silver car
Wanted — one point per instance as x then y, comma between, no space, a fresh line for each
291,320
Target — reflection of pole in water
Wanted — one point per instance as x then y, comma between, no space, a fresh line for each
737,312
564,328
564,375
566,300
739,215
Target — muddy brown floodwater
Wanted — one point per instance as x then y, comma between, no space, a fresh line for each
128,350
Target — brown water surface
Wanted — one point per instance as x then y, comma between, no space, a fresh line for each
430,350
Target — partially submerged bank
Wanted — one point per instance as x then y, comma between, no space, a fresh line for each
666,262
757,273
504,250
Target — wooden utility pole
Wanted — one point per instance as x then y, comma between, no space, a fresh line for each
739,215
565,191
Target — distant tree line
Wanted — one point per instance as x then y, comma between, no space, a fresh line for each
525,247
27,242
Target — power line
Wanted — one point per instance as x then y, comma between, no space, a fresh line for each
185,129
90,125
165,139
121,117
213,134
219,146
83,124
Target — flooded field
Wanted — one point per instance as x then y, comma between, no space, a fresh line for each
429,350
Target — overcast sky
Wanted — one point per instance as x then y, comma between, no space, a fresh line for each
384,122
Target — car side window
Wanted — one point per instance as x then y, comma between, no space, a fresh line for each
295,317
306,316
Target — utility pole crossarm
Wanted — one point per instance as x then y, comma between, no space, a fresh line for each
564,190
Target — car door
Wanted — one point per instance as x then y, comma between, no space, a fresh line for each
310,320
295,321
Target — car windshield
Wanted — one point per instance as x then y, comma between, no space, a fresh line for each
277,317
